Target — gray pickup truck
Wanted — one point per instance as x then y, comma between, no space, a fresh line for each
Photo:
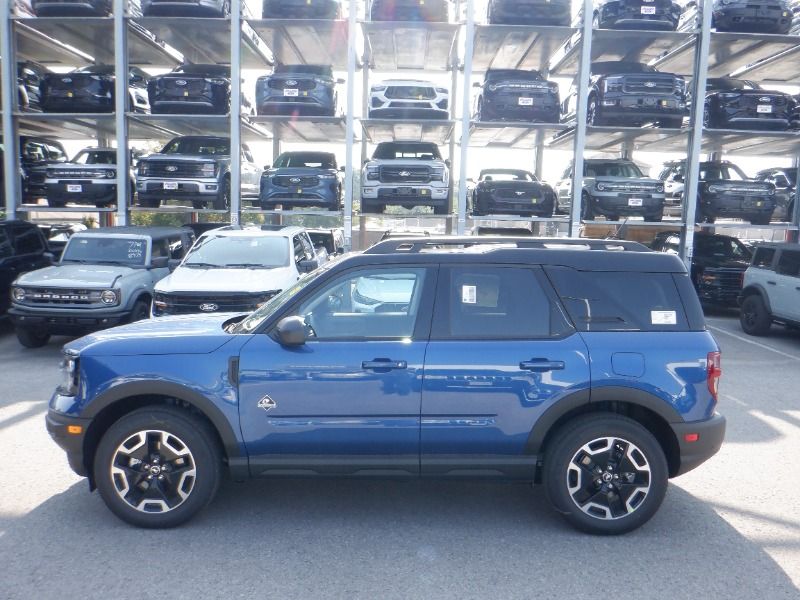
195,168
105,277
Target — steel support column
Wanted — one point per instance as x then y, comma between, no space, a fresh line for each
466,109
794,218
120,108
8,72
695,138
236,113
350,125
580,118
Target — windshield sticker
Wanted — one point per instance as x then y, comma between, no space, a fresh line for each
663,317
135,250
469,294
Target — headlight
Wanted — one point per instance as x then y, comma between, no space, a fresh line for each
50,173
659,188
322,81
96,77
771,192
441,90
714,189
217,81
143,168
492,87
438,174
109,297
208,169
110,173
18,294
612,84
373,174
600,186
553,88
69,375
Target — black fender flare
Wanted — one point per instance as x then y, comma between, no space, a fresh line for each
171,390
757,288
585,399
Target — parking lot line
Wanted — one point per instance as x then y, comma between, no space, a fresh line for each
754,343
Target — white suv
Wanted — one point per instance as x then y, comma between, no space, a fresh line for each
408,99
234,269
771,289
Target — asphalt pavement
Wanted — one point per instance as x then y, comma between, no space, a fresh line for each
730,529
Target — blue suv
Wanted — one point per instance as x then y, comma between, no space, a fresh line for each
584,365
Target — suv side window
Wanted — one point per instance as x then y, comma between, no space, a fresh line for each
789,263
176,247
159,249
486,302
5,244
763,258
55,153
27,240
302,249
374,303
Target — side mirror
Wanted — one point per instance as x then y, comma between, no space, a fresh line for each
340,81
342,169
267,167
447,163
173,263
307,265
678,178
50,257
159,262
291,331
476,84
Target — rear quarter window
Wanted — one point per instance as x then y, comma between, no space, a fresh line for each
763,258
620,301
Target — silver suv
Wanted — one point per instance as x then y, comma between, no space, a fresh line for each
105,277
770,291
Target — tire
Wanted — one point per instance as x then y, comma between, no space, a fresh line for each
591,112
587,211
612,217
223,199
707,123
369,208
56,203
184,442
141,310
671,123
226,9
479,110
32,338
198,204
760,219
655,217
596,21
149,202
618,449
441,210
754,316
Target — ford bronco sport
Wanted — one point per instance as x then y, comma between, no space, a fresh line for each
581,364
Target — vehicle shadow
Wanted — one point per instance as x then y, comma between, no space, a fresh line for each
387,539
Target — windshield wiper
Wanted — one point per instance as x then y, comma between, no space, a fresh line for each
247,266
199,265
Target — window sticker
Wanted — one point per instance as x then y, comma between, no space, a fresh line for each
469,294
663,317
135,250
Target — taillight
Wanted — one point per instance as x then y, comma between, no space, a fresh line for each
713,372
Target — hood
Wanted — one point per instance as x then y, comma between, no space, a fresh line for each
185,157
73,276
513,185
184,334
716,262
632,181
189,279
765,93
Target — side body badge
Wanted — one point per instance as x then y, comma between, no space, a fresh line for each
266,403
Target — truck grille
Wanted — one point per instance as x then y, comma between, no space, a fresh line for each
60,297
405,175
642,84
410,92
300,84
295,180
182,169
188,303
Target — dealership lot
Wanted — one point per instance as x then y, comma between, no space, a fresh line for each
730,528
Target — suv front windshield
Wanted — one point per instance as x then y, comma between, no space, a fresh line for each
95,157
198,145
611,169
244,252
418,151
721,171
720,247
254,320
105,250
309,160
506,175
319,70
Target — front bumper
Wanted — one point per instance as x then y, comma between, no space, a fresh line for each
505,106
763,19
636,109
58,426
618,203
530,206
408,196
153,189
68,321
711,433
736,206
632,18
78,103
317,196
91,191
409,10
169,7
71,9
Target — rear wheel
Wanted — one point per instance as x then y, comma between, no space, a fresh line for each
592,117
671,123
760,219
655,217
605,473
149,202
56,203
441,210
223,199
754,316
612,217
32,338
198,204
157,467
587,211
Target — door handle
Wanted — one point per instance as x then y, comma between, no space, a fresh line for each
771,283
384,364
541,365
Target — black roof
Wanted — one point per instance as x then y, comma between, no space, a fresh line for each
155,233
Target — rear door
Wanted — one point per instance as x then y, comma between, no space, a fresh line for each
785,294
501,353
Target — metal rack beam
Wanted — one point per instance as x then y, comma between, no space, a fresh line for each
383,130
410,46
305,41
615,139
515,46
302,129
508,134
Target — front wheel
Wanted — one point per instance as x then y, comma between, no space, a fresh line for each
587,210
157,467
754,316
141,310
223,199
760,219
605,473
32,338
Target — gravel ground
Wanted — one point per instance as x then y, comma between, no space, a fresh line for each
729,529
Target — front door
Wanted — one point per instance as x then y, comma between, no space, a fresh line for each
785,295
501,353
347,402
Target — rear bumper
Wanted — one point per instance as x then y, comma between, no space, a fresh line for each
753,19
710,434
58,426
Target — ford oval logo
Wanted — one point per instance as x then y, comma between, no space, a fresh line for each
519,193
291,82
66,79
172,168
765,99
294,180
180,82
208,307
650,84
404,174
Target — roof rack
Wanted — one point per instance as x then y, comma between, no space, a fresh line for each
416,244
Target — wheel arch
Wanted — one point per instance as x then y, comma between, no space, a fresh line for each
110,406
648,410
757,290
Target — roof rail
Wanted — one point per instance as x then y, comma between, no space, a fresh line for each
416,244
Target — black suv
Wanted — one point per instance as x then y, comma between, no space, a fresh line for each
718,264
72,8
636,14
91,89
302,179
36,155
23,248
630,93
785,182
409,10
298,90
511,94
301,9
740,104
29,78
766,16
725,191
191,88
528,12
512,192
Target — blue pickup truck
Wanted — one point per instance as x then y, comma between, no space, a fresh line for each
584,365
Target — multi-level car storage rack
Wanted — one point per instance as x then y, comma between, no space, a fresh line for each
464,49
